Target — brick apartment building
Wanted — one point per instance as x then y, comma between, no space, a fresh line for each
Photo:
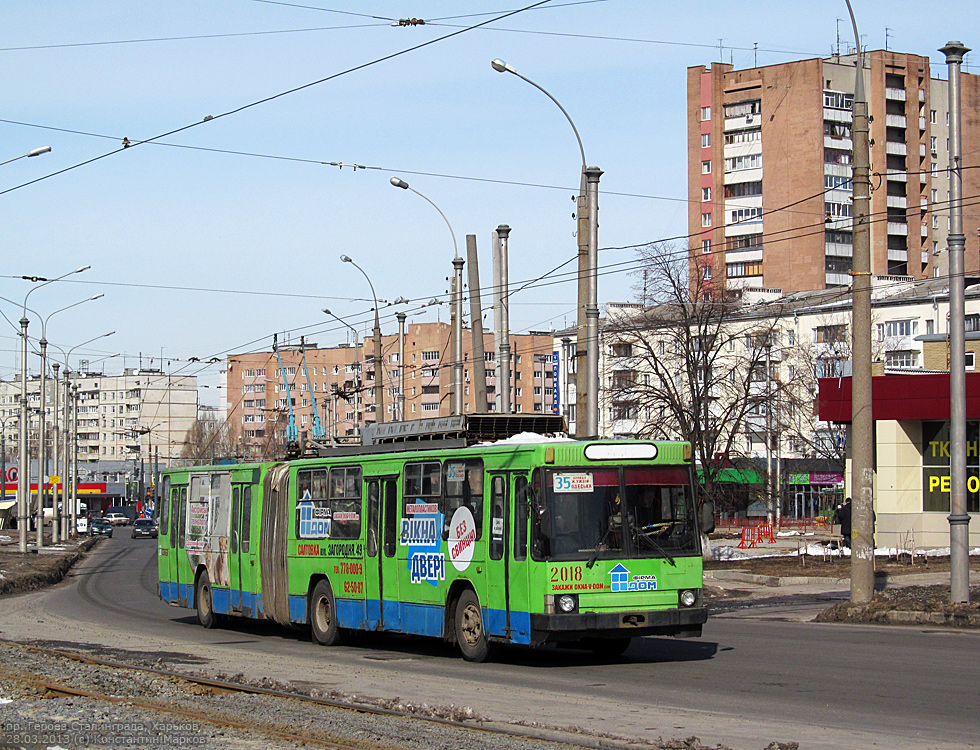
256,393
769,170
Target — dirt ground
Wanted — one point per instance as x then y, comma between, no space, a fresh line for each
891,596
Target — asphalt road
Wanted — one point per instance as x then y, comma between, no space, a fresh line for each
755,677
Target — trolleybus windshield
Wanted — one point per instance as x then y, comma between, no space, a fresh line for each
622,512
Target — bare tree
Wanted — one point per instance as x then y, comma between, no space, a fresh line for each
694,364
210,439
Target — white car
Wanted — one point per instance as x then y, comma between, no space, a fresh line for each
117,519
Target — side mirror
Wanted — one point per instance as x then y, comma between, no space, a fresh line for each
707,517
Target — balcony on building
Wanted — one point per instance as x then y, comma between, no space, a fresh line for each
897,95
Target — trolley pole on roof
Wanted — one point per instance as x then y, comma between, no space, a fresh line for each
959,519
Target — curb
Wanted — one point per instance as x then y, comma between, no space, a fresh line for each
56,574
772,581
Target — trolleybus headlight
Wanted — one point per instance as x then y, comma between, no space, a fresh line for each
688,598
567,603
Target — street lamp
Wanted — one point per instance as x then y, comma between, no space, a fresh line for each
379,390
24,475
457,294
42,453
32,152
357,380
588,262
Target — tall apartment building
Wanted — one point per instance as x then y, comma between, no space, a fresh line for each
769,171
342,380
120,417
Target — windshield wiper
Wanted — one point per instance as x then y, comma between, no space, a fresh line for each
650,540
595,552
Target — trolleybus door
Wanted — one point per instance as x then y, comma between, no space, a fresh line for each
163,541
242,560
518,606
178,517
498,561
385,572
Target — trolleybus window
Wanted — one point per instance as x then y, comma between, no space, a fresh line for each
464,489
345,503
246,518
164,510
236,503
374,501
422,480
623,513
522,506
328,503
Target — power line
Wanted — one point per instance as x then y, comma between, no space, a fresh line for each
209,118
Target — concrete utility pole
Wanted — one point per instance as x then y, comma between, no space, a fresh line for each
862,421
959,519
502,286
401,365
476,327
56,531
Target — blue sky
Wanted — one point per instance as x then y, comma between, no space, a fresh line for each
171,232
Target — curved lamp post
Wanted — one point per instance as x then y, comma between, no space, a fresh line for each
32,152
587,384
457,314
24,475
42,453
379,390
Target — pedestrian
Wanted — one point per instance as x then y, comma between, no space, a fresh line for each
843,516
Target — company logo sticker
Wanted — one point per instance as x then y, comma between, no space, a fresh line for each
621,580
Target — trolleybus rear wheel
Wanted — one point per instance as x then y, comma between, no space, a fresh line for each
470,635
323,616
204,602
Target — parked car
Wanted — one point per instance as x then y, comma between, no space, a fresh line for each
145,527
100,527
117,519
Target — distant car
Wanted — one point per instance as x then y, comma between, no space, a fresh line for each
145,527
100,527
117,519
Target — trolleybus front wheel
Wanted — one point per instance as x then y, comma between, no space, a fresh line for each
323,616
203,601
470,635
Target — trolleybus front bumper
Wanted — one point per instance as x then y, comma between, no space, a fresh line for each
680,623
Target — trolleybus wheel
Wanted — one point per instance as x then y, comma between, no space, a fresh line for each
323,616
607,647
204,602
470,635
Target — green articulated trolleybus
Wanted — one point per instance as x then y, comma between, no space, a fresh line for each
526,540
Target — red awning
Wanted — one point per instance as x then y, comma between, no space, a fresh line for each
908,397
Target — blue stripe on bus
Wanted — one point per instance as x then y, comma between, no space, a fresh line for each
360,614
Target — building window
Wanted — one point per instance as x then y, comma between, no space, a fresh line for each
832,334
837,100
430,356
837,129
706,140
901,359
932,116
738,270
746,215
706,272
622,350
743,189
430,407
833,182
706,220
705,246
743,136
705,113
706,167
706,194
737,163
743,109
